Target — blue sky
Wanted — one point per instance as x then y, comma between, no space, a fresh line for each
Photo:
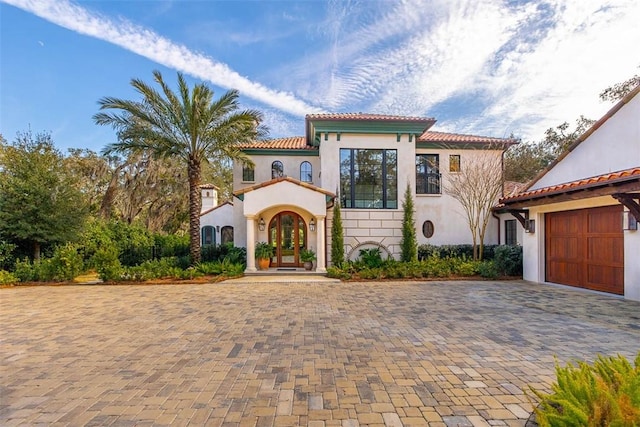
491,67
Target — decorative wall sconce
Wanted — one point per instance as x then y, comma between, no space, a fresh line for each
261,224
218,228
629,222
312,224
530,226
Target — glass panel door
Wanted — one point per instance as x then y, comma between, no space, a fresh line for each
287,235
288,239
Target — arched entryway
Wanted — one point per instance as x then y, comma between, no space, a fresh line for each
288,235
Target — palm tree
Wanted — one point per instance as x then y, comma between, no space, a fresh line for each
189,125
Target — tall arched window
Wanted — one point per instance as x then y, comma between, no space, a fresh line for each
277,170
208,235
306,172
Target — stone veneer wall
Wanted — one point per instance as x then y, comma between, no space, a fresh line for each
368,228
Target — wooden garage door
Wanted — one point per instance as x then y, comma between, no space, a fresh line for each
585,248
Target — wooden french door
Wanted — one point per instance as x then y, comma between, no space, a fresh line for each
287,234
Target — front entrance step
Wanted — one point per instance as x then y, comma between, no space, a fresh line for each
284,271
252,279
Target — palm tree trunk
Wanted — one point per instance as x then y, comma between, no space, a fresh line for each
195,205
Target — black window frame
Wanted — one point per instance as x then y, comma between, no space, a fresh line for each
309,173
510,232
428,182
208,235
248,173
280,174
388,178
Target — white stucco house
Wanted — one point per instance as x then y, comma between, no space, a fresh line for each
580,214
362,161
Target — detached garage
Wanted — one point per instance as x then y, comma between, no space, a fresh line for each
581,214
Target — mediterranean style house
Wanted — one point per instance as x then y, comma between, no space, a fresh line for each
364,162
581,214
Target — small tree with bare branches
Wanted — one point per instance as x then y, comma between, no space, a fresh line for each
477,186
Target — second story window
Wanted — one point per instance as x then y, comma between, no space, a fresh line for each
277,170
454,163
427,174
306,174
368,178
248,173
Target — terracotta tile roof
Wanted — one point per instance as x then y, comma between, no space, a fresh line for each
281,179
581,184
290,143
444,137
216,207
512,188
368,117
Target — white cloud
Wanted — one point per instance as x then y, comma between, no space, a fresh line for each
161,50
524,67
492,67
588,48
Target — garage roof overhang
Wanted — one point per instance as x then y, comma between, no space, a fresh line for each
623,185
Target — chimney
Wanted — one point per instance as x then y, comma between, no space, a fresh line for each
209,194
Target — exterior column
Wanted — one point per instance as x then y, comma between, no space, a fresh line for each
251,244
321,248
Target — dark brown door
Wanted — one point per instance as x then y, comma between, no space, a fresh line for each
585,248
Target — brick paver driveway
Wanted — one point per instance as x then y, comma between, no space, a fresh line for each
452,353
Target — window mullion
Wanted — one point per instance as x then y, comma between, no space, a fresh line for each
384,179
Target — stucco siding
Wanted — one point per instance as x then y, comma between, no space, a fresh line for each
632,266
218,218
612,147
262,169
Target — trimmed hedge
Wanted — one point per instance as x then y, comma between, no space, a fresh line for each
455,251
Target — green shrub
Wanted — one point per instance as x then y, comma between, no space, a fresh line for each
234,254
338,273
370,273
454,251
7,278
508,260
154,269
224,267
189,273
170,245
25,271
6,254
465,267
435,266
488,270
337,236
371,257
605,394
106,262
38,271
409,242
66,262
